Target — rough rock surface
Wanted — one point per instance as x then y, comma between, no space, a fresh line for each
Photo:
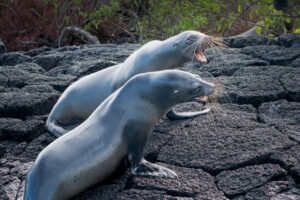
247,148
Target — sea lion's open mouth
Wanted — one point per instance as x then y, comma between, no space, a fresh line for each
199,55
201,99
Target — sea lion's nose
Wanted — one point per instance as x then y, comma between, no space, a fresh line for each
211,88
208,87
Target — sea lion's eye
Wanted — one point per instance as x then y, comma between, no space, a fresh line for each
191,39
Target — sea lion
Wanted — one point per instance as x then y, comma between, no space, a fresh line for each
116,132
81,98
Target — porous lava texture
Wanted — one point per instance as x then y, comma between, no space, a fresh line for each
248,147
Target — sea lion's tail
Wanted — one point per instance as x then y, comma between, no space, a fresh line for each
55,128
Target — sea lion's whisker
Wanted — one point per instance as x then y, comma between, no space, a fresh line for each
216,44
213,98
222,94
218,47
213,102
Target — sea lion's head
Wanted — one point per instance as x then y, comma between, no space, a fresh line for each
192,44
170,87
186,87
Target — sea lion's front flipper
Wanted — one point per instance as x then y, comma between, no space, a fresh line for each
185,115
146,168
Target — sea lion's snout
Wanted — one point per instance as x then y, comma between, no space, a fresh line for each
207,87
210,88
200,55
203,43
207,90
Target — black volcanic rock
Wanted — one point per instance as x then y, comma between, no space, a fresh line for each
290,159
22,104
272,70
246,148
48,62
296,63
40,88
82,68
283,115
35,52
13,58
250,89
27,67
291,82
31,151
60,82
275,55
280,112
2,150
241,180
18,130
227,64
279,189
16,77
224,140
190,183
288,40
3,81
241,42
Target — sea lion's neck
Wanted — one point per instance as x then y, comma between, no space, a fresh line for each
145,98
169,55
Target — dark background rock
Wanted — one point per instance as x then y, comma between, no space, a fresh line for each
18,130
241,42
21,104
279,189
247,148
241,180
275,55
226,140
13,58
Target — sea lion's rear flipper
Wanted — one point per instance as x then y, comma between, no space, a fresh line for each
146,168
185,115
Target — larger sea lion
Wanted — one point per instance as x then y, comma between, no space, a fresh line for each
81,98
115,133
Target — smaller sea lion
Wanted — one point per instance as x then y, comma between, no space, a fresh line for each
116,132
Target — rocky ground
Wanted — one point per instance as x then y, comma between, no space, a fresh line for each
248,148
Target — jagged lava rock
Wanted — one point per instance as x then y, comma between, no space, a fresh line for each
241,180
248,148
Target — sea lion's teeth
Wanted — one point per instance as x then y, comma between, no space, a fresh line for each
203,98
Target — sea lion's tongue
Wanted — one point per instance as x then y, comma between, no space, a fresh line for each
200,56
